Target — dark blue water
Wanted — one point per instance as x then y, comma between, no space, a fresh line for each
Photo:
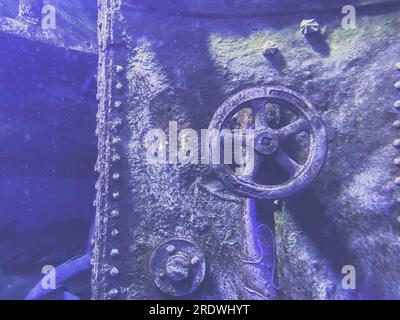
48,151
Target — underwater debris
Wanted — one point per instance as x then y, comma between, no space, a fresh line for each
270,48
309,26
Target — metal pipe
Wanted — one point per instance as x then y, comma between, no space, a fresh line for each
30,10
259,259
65,273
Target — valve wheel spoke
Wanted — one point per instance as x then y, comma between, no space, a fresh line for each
287,163
293,128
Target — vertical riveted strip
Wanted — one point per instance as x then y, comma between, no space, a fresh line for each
396,141
111,87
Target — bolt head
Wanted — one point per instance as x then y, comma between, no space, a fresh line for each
396,143
117,104
397,105
114,233
119,69
114,272
177,268
115,195
397,65
114,253
117,123
170,249
396,124
114,213
116,158
119,86
173,273
115,140
113,293
397,85
396,161
194,261
115,176
397,181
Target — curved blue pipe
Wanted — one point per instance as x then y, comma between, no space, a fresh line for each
64,274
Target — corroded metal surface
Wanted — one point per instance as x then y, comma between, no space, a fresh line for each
182,67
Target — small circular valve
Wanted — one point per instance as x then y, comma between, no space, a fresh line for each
277,117
178,267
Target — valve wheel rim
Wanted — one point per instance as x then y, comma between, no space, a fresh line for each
309,120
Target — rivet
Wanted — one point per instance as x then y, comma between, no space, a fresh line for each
114,232
94,203
114,253
114,272
113,293
119,86
397,104
116,195
170,249
396,143
115,176
396,124
119,69
397,65
114,213
397,181
397,85
117,104
115,140
116,123
195,260
116,157
396,161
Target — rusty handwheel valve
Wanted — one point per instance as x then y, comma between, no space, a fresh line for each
272,137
